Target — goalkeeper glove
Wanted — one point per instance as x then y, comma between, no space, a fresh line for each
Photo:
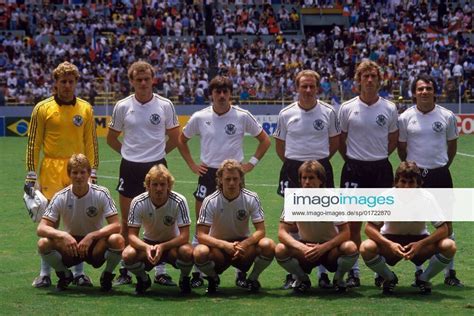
30,182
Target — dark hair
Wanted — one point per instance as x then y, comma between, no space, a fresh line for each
408,170
220,82
314,167
425,78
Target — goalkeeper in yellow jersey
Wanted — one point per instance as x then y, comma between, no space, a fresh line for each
60,126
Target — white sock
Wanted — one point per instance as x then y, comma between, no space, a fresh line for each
293,266
138,269
321,269
160,269
55,260
379,265
356,269
78,269
208,268
112,259
185,268
451,263
344,264
437,263
45,268
260,264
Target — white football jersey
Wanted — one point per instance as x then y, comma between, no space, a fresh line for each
367,128
144,127
221,135
84,215
316,232
306,133
406,228
159,223
427,134
229,220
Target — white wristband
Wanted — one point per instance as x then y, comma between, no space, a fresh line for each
254,161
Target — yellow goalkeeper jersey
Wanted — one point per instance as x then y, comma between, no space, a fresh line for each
61,130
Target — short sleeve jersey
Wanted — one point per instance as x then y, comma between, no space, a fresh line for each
367,128
144,127
221,136
406,228
306,133
229,220
162,223
316,232
83,215
427,134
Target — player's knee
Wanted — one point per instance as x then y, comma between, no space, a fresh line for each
447,247
266,247
116,241
129,254
348,247
368,249
44,245
281,251
201,254
185,252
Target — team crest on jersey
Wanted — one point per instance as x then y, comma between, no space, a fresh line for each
318,125
437,127
241,215
91,211
155,119
77,120
381,120
230,129
168,220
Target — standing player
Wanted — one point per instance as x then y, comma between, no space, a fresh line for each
164,215
82,207
428,136
144,119
223,230
319,243
60,126
220,126
307,130
390,242
369,136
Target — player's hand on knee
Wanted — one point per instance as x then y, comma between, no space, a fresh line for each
84,245
398,250
70,245
30,182
412,250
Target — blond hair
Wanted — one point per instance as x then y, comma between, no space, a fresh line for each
140,66
314,167
365,66
229,165
307,73
156,172
66,68
78,161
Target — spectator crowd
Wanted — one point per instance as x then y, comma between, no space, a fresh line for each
260,45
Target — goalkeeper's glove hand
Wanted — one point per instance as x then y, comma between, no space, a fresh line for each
30,182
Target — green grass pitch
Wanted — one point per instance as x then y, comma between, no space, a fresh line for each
19,262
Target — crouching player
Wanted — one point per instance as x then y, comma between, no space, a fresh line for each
164,215
82,207
390,242
223,230
325,243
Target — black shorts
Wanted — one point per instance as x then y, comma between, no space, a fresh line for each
69,261
289,174
132,176
436,178
367,174
207,184
404,240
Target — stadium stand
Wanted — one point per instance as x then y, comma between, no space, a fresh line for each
259,44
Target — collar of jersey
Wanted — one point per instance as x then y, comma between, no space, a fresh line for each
61,102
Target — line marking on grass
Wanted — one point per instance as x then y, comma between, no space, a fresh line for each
467,155
195,182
